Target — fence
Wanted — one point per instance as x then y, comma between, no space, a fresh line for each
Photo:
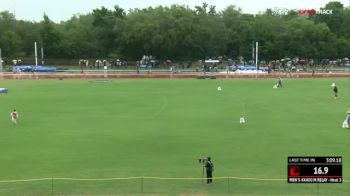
166,186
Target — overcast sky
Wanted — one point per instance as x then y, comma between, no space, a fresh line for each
64,9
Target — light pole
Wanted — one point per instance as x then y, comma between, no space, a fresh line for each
256,57
36,54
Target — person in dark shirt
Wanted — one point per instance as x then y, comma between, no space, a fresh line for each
279,82
335,90
209,167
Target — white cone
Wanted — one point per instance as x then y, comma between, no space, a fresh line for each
242,120
219,88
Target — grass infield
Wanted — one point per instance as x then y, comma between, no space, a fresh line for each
161,127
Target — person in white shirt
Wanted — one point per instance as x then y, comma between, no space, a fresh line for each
14,116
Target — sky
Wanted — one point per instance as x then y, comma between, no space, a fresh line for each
62,10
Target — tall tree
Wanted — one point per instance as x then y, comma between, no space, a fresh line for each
50,38
11,44
335,20
106,25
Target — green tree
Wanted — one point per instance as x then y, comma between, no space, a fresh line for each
28,37
335,21
239,28
50,38
180,33
78,38
305,39
11,44
107,25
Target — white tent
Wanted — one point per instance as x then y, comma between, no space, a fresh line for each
212,61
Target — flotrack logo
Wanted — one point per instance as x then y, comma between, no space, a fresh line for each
315,12
307,12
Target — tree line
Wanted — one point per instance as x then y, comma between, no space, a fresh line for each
178,32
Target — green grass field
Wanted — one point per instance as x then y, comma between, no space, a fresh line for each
159,128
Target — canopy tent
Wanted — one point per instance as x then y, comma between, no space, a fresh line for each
212,61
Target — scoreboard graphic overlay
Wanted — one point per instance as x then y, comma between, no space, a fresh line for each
315,169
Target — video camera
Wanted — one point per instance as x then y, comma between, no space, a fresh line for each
202,161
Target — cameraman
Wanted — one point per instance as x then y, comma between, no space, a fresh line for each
209,166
